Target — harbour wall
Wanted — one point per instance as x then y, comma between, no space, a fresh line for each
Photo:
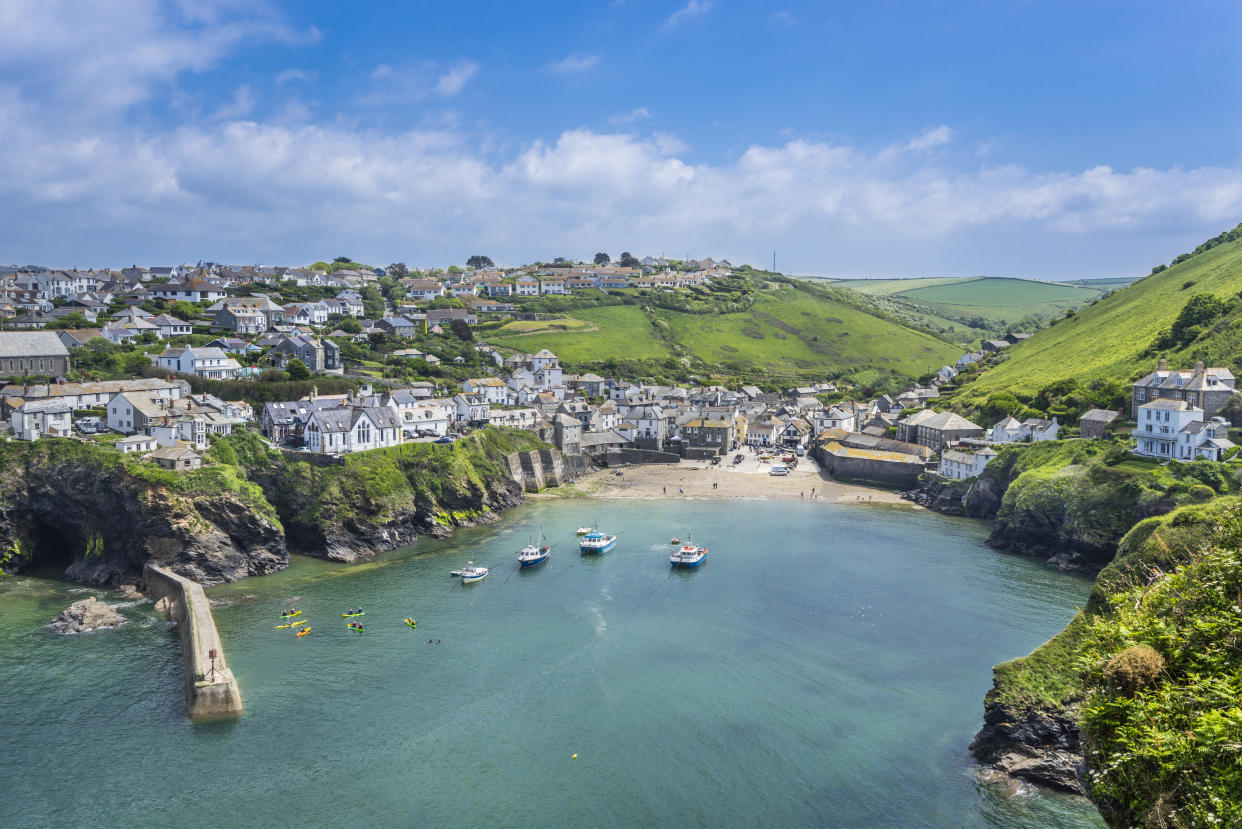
616,457
544,468
211,691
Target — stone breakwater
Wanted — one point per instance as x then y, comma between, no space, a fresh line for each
211,691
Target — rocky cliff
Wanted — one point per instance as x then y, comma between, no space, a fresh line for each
101,516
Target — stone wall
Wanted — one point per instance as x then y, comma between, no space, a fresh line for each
873,467
211,691
544,468
616,457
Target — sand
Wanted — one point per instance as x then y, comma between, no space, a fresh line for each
749,479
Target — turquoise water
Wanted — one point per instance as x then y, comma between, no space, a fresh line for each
824,667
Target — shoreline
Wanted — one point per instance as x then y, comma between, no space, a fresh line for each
699,480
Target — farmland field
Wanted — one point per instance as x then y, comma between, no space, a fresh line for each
610,331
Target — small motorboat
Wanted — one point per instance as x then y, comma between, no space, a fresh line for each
675,541
351,613
304,631
583,530
597,542
532,555
289,614
293,624
688,555
412,622
470,574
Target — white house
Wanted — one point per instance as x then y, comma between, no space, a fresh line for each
170,326
472,408
1036,429
211,363
1160,425
959,464
41,418
542,360
491,389
193,290
1008,430
342,429
834,418
527,286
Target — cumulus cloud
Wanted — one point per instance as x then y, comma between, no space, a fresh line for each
574,63
241,105
454,80
929,138
693,9
640,114
290,75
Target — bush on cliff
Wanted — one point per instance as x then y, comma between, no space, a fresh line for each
1163,747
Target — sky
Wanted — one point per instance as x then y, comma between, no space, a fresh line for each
1052,140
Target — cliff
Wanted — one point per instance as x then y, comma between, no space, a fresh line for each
102,516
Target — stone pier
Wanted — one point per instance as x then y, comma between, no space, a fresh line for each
211,692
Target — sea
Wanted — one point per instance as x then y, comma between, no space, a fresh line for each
825,667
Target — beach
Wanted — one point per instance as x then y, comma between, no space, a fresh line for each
748,479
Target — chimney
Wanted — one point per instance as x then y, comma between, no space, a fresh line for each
1198,366
1162,365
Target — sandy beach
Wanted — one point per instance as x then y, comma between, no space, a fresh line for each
749,479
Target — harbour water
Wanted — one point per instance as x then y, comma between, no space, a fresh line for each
825,667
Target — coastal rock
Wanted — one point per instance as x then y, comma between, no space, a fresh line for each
1038,747
939,494
87,614
129,592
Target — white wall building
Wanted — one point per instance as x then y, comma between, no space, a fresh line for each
960,464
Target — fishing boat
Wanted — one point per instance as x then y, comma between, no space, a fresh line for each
289,614
304,631
688,555
470,574
583,530
412,622
293,624
351,613
597,542
532,555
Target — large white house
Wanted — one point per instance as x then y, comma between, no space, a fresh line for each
1175,429
959,464
211,363
492,389
342,429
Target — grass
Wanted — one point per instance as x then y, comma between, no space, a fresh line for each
608,331
997,292
1111,338
888,287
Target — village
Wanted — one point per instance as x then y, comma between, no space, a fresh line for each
885,440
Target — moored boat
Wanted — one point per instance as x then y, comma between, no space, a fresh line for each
688,555
583,530
532,555
470,574
597,542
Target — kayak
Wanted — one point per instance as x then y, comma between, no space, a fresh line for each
304,631
288,615
351,615
412,622
358,629
293,624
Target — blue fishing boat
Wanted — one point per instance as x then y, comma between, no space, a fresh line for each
688,556
596,542
532,555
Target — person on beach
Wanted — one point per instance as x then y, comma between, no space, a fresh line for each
665,490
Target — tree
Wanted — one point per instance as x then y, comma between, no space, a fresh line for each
372,302
182,310
350,326
480,261
73,320
298,370
344,260
628,260
398,270
602,258
461,329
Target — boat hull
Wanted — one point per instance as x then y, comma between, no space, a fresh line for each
689,563
586,549
472,579
526,564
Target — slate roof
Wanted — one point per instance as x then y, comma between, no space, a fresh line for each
31,344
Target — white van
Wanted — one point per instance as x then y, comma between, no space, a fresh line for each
779,470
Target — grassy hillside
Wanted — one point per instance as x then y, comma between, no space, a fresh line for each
1121,336
784,330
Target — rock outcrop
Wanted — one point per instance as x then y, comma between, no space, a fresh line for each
1038,747
77,506
88,614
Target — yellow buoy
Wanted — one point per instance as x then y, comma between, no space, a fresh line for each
575,757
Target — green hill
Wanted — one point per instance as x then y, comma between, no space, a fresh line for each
778,331
1186,312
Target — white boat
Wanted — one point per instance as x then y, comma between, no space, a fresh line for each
688,555
532,555
470,574
596,542
583,530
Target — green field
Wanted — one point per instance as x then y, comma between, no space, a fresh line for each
1113,339
791,331
888,287
997,292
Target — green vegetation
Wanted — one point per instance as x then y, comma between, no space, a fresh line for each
1162,720
755,328
1120,337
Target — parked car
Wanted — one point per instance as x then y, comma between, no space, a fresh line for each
716,461
779,470
445,439
738,458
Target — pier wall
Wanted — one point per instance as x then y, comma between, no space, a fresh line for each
617,457
544,468
209,694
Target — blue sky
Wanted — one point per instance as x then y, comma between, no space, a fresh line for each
1052,140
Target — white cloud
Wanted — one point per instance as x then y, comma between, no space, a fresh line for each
290,75
929,138
452,82
693,9
241,105
640,114
574,63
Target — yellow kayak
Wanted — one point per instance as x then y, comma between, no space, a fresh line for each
304,631
293,624
291,615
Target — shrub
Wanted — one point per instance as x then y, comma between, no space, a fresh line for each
1134,669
